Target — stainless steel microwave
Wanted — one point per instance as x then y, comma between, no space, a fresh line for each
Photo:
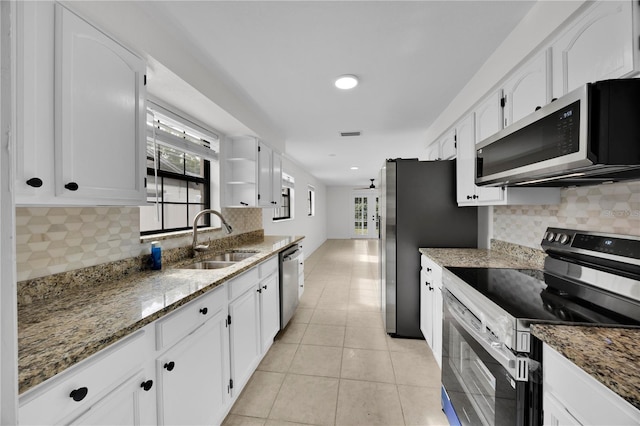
591,135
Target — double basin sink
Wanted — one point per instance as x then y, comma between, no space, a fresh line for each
222,260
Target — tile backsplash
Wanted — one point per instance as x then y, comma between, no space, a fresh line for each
50,240
613,208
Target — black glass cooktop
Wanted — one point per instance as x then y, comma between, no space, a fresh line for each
530,294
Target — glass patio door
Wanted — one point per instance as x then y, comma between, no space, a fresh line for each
365,215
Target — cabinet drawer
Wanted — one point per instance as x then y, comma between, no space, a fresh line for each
244,282
175,326
268,267
97,375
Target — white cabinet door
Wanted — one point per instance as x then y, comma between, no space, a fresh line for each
193,376
132,403
598,46
433,152
99,115
437,322
264,176
466,162
528,89
467,193
448,146
244,337
426,306
34,28
269,311
276,179
489,116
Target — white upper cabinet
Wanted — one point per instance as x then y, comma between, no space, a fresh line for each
448,146
467,191
80,104
489,114
599,45
269,177
252,173
528,89
433,152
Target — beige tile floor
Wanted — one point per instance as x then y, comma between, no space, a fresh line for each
334,364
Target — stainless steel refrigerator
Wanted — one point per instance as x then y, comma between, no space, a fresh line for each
418,208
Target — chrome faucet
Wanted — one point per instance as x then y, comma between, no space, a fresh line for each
204,247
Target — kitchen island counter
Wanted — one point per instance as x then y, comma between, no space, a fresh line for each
609,354
56,333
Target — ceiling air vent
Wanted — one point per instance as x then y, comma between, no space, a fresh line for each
350,133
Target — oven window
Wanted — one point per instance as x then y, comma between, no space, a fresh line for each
475,378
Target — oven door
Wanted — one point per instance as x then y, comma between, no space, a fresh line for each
480,388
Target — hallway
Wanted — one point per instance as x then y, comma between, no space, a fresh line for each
334,364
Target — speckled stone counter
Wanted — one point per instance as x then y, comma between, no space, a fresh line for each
56,333
610,355
478,258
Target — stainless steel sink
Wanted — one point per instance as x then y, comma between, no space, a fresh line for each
222,260
231,256
209,264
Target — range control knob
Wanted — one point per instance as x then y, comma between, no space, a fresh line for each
564,239
550,236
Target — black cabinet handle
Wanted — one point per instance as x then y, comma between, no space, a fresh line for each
242,203
72,186
204,311
469,197
428,269
538,107
274,202
259,290
147,385
475,196
79,394
170,365
35,182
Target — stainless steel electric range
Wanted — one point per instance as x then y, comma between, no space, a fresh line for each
491,365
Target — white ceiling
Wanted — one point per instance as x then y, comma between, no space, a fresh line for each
412,59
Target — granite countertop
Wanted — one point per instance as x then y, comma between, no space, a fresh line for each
608,354
479,258
54,334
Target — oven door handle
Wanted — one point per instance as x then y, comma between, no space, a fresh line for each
516,365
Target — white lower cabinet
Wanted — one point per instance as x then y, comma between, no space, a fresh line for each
570,396
102,389
193,376
132,403
431,306
269,310
244,337
186,368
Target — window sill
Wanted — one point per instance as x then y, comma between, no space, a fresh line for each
174,235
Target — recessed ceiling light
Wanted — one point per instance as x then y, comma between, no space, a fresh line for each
354,168
332,155
346,82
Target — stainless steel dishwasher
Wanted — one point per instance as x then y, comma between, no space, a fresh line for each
289,264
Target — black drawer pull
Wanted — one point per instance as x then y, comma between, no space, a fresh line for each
264,286
35,182
72,186
170,365
79,394
204,311
147,385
